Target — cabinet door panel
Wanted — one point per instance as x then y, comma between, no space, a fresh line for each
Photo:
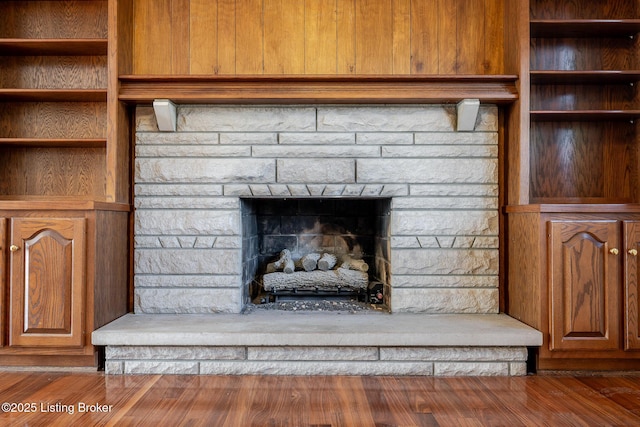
47,282
584,285
632,296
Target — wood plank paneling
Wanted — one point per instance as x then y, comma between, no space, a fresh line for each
401,50
321,37
374,37
284,37
424,37
152,39
226,37
346,37
327,37
249,37
203,37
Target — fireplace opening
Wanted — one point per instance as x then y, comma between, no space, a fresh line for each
316,249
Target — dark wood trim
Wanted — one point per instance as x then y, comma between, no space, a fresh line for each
498,89
575,208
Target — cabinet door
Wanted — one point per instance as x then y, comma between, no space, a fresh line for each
47,282
632,296
584,267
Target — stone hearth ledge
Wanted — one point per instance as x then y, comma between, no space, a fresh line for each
312,343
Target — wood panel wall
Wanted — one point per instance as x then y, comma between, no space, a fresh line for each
321,37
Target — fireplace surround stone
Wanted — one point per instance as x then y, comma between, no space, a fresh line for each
443,185
443,239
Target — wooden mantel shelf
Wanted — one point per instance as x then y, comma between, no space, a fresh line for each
498,89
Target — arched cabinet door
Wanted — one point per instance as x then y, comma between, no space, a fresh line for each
584,266
47,292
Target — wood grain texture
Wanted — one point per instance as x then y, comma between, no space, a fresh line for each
381,37
53,19
584,285
631,233
149,400
47,284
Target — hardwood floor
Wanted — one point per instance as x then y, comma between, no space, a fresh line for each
93,399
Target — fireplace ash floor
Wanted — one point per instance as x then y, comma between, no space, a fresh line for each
340,306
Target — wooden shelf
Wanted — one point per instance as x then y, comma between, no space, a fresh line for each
65,47
584,27
55,142
318,89
584,77
582,115
53,95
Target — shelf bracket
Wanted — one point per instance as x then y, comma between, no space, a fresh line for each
467,110
166,115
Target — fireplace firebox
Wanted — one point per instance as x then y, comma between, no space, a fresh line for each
337,248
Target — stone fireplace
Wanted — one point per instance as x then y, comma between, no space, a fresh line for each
394,185
191,185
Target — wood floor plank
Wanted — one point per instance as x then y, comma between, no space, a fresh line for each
332,401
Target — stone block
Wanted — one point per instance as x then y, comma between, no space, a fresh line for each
183,190
456,138
176,138
317,138
188,281
457,301
187,261
151,151
193,222
209,118
315,151
446,203
327,171
187,301
440,151
250,138
454,190
160,368
192,353
422,171
451,369
433,118
190,202
315,368
444,261
208,170
457,354
385,138
312,353
445,281
445,223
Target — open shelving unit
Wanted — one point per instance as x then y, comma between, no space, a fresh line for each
584,74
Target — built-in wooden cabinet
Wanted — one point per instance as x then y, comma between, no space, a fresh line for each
573,276
573,183
64,178
64,274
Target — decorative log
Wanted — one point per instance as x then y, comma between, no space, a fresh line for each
309,262
284,263
354,264
327,262
332,280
